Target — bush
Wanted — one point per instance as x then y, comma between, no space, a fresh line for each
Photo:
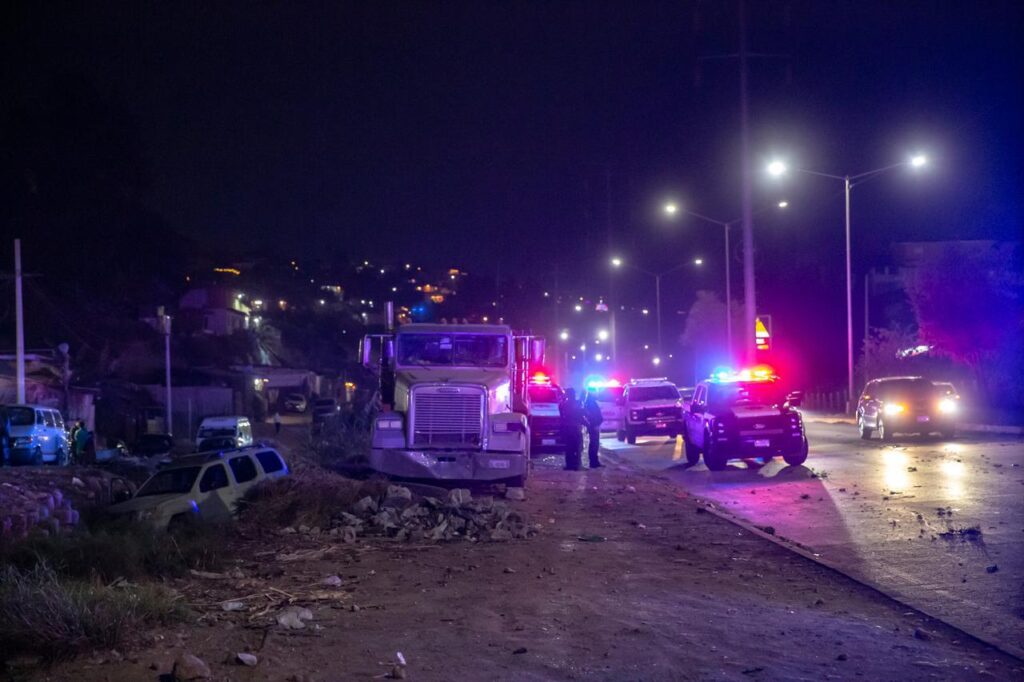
42,613
121,549
310,497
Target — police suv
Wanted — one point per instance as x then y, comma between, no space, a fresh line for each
652,408
744,414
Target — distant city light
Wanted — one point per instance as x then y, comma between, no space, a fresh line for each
583,347
323,302
645,311
547,294
602,334
578,308
564,336
598,357
647,346
656,361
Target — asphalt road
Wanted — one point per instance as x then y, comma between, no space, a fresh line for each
924,520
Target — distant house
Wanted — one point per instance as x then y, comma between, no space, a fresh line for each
217,310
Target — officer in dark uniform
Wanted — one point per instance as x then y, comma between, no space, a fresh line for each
593,416
571,413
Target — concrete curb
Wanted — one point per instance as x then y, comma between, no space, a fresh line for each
962,428
1008,648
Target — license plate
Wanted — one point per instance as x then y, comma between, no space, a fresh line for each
499,464
922,418
762,443
543,441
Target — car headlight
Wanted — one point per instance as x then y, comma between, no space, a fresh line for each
389,425
634,415
947,406
894,408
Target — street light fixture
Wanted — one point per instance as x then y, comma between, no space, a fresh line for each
783,204
778,168
698,261
671,208
618,263
602,334
564,335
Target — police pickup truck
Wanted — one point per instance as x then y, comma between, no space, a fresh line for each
745,414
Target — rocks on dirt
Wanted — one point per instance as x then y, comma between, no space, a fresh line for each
922,634
331,581
246,659
399,515
189,667
294,617
514,493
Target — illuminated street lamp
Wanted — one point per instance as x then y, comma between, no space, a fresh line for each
602,334
671,208
779,168
564,335
656,361
698,261
618,263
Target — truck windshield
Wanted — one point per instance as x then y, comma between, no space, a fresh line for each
211,432
766,393
545,394
21,416
462,350
663,392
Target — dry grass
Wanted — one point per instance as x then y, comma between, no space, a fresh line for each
44,614
309,497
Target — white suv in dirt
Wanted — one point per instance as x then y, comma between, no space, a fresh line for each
652,408
203,487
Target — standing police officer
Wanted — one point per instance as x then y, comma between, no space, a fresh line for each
593,416
572,420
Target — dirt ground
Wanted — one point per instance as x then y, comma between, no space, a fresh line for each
627,579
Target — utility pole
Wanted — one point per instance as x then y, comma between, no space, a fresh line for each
749,292
20,323
611,278
165,327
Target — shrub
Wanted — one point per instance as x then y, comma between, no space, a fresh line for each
311,497
42,613
121,549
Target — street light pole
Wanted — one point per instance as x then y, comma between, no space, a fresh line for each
849,305
728,277
778,168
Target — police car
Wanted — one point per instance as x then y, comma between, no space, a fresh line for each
542,400
652,408
744,414
608,394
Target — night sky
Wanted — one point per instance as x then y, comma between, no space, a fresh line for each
476,133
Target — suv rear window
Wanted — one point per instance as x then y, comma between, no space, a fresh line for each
243,468
663,392
270,461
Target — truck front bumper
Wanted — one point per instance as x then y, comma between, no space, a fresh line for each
449,465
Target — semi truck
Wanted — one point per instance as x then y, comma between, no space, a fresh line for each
453,402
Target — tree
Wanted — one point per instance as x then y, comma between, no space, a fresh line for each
967,302
705,334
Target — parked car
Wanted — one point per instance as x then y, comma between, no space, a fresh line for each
35,434
153,445
295,402
652,408
894,405
202,487
325,408
238,428
613,408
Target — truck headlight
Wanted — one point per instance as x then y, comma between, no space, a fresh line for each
892,409
389,425
505,427
947,406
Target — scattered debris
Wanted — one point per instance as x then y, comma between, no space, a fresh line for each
331,581
805,496
188,667
294,617
246,659
515,493
842,657
767,529
232,606
520,650
971,534
591,538
992,569
922,635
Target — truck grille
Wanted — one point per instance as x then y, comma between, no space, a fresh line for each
447,417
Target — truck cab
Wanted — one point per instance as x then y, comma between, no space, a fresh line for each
454,402
652,408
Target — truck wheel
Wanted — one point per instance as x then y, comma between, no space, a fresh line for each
61,459
884,432
630,437
692,452
799,457
714,460
621,436
865,432
37,457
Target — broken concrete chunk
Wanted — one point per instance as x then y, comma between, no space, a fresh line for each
246,659
459,497
514,493
293,617
397,497
367,505
188,667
